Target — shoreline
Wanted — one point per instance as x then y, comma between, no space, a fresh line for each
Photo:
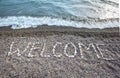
55,30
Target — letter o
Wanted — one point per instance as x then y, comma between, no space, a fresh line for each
66,46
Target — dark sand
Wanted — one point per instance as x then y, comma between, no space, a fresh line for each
36,66
54,30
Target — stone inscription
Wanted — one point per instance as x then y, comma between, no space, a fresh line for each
33,47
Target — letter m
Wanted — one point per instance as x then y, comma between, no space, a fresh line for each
83,47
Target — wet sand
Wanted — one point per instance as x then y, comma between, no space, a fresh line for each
55,30
62,52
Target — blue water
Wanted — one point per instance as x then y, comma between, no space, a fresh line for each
76,13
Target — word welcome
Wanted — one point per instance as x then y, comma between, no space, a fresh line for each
33,46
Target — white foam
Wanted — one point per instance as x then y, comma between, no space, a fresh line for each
26,22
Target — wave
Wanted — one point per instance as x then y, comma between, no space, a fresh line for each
18,22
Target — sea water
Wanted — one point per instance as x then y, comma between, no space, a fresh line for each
75,13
